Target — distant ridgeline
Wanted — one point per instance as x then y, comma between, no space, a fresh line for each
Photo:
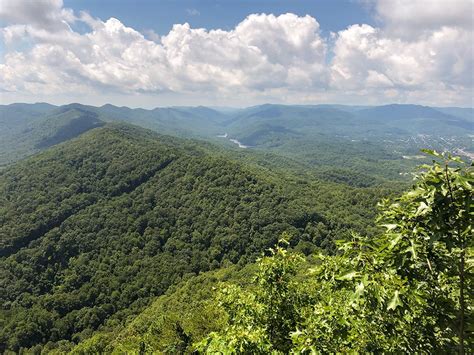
92,229
381,141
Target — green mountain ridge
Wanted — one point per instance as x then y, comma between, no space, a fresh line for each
282,129
371,145
111,223
95,227
57,126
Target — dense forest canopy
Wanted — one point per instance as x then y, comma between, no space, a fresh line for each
94,228
383,141
319,200
408,289
111,228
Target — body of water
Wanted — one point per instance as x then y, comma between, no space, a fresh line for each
233,140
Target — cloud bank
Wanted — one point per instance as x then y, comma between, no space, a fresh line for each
421,52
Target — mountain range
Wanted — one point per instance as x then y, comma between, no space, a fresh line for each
294,131
111,217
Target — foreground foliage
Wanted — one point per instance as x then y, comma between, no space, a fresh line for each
399,291
406,290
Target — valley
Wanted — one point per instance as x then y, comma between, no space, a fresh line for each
109,213
233,177
239,144
297,132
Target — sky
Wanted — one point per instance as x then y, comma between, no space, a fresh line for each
147,53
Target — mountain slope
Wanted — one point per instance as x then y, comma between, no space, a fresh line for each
13,117
93,228
26,129
53,127
368,140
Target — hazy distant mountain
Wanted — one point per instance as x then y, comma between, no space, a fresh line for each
305,130
62,126
461,112
26,129
355,123
401,112
297,130
14,117
40,132
417,119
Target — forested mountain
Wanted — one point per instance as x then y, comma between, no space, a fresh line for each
357,122
264,177
376,140
466,113
409,288
56,127
106,216
327,135
93,228
26,129
15,116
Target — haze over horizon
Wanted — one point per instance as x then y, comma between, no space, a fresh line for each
224,107
237,54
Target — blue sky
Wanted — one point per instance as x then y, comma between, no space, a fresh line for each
237,53
333,15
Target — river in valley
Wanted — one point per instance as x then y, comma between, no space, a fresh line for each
233,140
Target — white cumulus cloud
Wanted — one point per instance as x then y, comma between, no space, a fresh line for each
414,17
262,52
49,15
423,48
265,57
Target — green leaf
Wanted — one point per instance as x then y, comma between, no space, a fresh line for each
390,226
422,209
394,302
432,152
395,240
359,289
348,276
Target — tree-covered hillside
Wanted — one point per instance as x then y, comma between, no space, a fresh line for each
407,289
93,228
35,134
27,129
381,141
